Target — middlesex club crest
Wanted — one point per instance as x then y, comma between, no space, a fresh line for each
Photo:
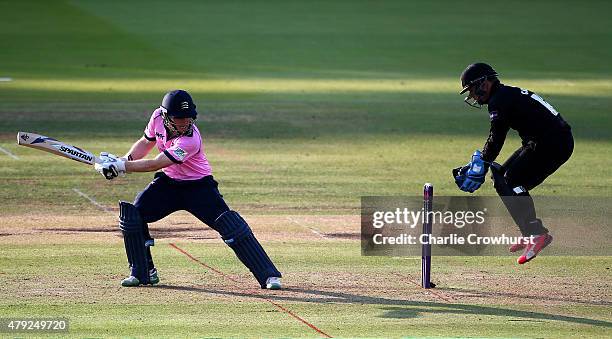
179,153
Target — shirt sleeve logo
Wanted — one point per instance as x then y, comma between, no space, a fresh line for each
179,153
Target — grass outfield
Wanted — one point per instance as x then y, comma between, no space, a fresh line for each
304,107
338,291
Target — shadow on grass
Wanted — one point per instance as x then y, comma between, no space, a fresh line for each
398,308
474,292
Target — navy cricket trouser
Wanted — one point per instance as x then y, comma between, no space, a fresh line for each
165,195
202,199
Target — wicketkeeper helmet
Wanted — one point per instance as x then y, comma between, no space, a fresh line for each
475,74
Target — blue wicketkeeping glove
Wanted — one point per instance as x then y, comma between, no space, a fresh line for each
475,175
459,175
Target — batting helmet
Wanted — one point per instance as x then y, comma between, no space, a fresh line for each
475,74
178,104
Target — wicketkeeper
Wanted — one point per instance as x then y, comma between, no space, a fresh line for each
547,143
185,182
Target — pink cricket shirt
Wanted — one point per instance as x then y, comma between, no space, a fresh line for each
186,151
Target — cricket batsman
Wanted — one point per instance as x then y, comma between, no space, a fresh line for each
185,182
547,143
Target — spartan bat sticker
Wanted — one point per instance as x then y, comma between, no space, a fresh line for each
56,147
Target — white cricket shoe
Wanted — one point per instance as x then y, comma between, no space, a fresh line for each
273,283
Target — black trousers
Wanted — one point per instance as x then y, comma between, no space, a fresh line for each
528,167
532,163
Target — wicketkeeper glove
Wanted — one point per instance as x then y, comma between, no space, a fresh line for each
459,175
475,174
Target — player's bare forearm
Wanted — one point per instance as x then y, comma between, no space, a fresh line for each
140,149
143,165
148,165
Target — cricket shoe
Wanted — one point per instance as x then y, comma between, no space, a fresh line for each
533,248
153,277
273,283
520,245
132,281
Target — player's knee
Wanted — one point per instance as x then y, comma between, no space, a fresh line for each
515,188
148,212
505,185
500,180
232,227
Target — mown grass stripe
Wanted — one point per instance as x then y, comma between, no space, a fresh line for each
95,203
3,150
311,229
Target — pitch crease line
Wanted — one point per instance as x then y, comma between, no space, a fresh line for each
312,229
97,204
5,151
254,292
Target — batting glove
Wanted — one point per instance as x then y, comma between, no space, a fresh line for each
111,166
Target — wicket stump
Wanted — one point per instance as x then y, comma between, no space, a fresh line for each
426,247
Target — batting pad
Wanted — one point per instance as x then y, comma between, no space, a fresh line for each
238,235
131,223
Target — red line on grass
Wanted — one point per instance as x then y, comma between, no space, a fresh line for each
297,317
255,292
203,264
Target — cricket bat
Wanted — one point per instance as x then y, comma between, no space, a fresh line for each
56,147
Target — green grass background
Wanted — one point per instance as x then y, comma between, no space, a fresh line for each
304,106
182,310
330,100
